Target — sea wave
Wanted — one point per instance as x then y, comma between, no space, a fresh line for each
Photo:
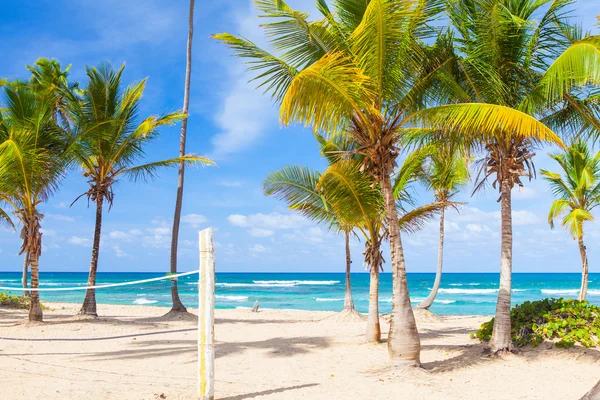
144,301
326,299
231,298
255,285
295,282
468,291
445,301
467,284
560,291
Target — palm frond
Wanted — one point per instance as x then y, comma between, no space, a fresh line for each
486,122
149,171
414,220
273,73
351,193
297,187
327,95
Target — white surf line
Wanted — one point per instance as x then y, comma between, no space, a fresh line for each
99,286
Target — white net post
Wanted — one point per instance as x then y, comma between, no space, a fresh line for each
206,316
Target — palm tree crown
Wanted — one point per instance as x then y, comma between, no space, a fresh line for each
578,192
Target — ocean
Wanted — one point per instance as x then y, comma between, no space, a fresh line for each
460,293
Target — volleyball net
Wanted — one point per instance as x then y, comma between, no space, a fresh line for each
206,295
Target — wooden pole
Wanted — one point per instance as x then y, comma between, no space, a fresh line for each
206,317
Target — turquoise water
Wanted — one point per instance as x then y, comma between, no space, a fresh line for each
460,293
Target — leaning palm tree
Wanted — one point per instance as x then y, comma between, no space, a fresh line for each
444,173
110,142
515,72
33,159
178,306
578,193
361,70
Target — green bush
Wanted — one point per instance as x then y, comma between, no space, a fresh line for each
13,301
570,321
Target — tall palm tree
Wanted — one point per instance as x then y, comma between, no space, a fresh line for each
361,70
578,193
444,173
345,194
299,188
49,81
515,73
110,142
177,304
33,160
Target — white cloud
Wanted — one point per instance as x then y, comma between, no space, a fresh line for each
48,232
119,252
259,232
523,193
60,217
62,204
159,231
231,184
157,241
80,241
128,236
268,221
195,220
524,217
258,249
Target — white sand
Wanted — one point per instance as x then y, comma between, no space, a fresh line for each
273,354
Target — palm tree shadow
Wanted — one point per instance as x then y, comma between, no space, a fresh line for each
267,392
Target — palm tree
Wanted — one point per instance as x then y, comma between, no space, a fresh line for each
345,195
444,173
516,68
49,81
299,188
33,160
178,306
578,193
110,141
360,70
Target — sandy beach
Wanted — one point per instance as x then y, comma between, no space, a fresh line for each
275,354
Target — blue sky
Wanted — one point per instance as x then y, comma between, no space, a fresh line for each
236,126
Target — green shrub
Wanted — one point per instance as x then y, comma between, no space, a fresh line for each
13,301
570,321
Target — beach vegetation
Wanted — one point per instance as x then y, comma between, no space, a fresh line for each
516,74
109,143
577,189
34,157
361,71
445,172
566,322
178,306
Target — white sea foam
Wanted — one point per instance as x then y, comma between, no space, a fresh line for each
296,282
463,284
255,284
325,299
445,301
276,283
144,301
593,292
468,291
231,298
560,291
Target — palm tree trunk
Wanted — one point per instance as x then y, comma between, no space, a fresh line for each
584,270
25,273
501,337
348,301
89,302
425,304
404,344
373,327
177,304
35,309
